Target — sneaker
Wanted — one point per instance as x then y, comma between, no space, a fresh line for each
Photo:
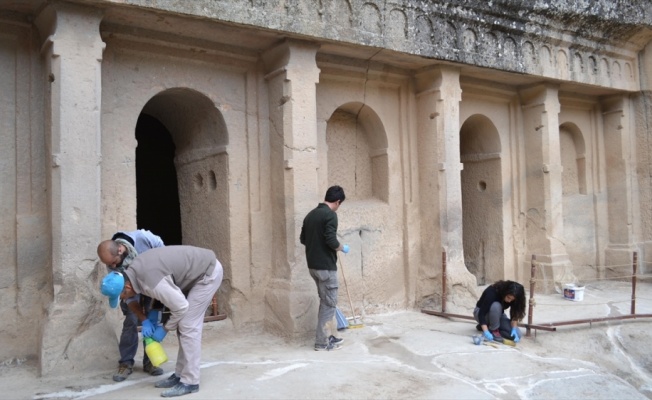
497,336
180,389
124,371
335,340
169,382
152,370
478,327
327,347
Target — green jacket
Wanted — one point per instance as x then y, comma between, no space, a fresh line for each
319,235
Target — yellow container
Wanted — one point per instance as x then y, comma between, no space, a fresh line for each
155,352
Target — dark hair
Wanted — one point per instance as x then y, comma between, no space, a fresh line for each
123,236
335,193
516,307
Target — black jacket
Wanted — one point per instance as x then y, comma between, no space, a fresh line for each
319,235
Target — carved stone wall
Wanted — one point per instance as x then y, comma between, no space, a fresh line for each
469,133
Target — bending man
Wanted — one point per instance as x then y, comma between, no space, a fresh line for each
184,279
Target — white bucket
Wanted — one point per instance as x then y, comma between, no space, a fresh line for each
573,293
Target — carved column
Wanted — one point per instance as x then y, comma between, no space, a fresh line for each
621,184
543,174
643,113
292,75
438,124
73,324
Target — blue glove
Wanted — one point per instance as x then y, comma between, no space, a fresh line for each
515,335
148,328
488,335
159,333
345,248
152,315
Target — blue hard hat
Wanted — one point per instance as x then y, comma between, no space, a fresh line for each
112,286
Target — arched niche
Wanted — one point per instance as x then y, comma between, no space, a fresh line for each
482,199
357,152
573,159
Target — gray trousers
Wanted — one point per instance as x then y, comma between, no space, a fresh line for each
496,318
191,326
327,286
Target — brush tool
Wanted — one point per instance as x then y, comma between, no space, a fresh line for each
506,342
355,323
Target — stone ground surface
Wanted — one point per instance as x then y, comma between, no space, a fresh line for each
404,355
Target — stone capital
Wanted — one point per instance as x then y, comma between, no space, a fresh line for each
67,29
292,57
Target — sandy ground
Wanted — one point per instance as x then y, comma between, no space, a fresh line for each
404,355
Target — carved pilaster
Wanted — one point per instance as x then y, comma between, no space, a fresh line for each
545,223
292,75
72,49
620,183
438,98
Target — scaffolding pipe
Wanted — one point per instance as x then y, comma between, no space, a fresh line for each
591,320
549,326
444,314
531,302
448,315
634,267
443,281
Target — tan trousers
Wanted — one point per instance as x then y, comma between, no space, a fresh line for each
191,326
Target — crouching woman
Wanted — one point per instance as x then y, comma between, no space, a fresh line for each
489,311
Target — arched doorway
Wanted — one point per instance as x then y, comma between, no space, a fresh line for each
156,181
187,135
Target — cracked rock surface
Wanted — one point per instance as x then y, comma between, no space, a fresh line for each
406,355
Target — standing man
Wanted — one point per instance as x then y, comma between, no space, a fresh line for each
117,254
319,235
184,279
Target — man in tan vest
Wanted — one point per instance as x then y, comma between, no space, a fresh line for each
184,279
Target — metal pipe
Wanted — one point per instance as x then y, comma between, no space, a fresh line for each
540,327
549,326
215,315
211,318
443,314
531,302
443,281
591,320
634,266
448,315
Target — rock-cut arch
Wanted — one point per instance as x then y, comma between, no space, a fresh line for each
573,159
200,137
357,152
482,199
579,219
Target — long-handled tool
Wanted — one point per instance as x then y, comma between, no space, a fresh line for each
355,323
506,342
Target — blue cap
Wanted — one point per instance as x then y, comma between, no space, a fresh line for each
112,286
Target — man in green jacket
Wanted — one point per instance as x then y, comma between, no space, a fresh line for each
319,236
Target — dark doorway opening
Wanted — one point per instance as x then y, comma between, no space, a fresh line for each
157,207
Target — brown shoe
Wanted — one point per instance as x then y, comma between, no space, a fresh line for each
124,371
152,370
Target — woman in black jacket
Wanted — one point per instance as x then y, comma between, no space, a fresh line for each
490,309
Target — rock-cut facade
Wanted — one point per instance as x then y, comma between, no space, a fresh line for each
472,135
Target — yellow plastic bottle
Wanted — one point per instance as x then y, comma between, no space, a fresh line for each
155,352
